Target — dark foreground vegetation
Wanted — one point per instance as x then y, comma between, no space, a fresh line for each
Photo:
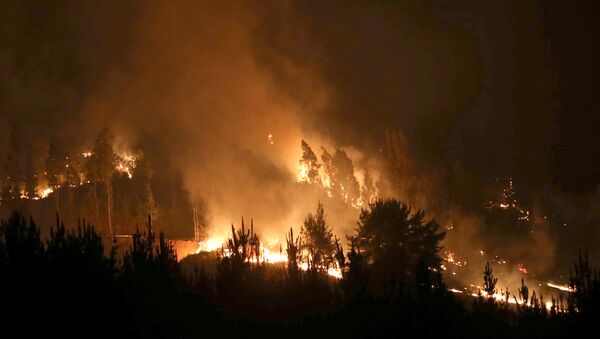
67,285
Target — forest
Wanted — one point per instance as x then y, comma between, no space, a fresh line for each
299,168
67,284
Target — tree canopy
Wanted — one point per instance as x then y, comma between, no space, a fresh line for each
394,239
317,240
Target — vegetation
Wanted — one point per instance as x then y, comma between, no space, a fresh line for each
317,240
394,241
73,285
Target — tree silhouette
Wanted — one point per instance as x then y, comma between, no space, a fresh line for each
584,282
489,281
317,240
524,292
293,250
343,180
392,239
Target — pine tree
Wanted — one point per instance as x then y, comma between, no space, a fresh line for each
489,281
524,292
317,240
391,238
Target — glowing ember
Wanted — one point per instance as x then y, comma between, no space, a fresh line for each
522,268
270,139
452,258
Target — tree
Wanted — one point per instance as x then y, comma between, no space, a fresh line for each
524,292
368,191
133,199
101,168
21,178
584,281
12,167
309,165
317,240
244,244
489,281
344,183
56,167
294,246
392,239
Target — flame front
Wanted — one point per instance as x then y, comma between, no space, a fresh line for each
268,254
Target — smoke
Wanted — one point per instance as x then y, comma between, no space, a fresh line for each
419,95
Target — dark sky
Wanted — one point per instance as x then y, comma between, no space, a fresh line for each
509,88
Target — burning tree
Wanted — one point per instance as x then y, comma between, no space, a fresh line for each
317,240
343,181
392,239
309,165
368,190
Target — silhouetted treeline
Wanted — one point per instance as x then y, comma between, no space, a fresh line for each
69,285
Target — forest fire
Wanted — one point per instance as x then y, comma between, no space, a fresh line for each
43,192
336,175
412,169
270,253
125,163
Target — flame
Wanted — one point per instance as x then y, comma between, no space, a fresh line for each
273,257
303,173
268,254
326,180
125,163
560,287
44,192
209,245
452,258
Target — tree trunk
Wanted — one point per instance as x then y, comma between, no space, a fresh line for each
57,193
96,202
109,205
